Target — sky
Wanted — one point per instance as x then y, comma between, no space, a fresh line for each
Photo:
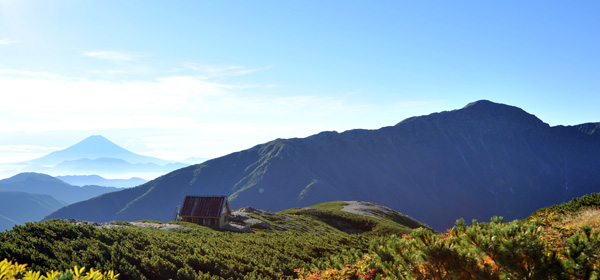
179,79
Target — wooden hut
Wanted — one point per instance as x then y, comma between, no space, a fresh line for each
208,211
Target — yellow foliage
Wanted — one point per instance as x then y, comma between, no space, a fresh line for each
359,270
15,271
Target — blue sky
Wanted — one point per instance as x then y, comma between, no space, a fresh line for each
177,79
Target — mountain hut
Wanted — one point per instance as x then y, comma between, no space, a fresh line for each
208,211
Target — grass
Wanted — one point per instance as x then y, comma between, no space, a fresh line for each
331,206
328,218
586,217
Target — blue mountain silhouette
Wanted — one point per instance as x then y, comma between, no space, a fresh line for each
94,147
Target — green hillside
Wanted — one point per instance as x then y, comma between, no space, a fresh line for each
286,241
557,242
330,218
335,240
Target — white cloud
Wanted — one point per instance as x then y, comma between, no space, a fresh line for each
6,41
18,153
109,55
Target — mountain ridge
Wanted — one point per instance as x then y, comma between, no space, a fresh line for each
483,160
38,183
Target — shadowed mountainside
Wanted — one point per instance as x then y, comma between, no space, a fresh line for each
482,160
20,207
45,184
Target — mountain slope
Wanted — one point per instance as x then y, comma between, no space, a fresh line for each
21,207
44,184
482,160
327,218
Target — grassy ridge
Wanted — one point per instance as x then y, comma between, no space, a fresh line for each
379,224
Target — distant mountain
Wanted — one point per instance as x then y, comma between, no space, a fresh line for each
94,147
6,223
38,183
20,207
84,180
97,155
482,160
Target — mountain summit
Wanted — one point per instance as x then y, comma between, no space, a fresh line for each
94,147
96,155
483,160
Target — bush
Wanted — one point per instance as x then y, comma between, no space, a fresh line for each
15,271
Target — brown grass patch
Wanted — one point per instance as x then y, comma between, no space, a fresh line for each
589,217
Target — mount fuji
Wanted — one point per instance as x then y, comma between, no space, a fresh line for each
96,155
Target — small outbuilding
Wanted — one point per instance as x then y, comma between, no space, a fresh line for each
208,211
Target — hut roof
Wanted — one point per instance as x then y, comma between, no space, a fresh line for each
203,206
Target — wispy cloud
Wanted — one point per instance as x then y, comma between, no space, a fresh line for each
16,153
212,117
110,55
7,41
222,71
27,148
43,102
30,93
